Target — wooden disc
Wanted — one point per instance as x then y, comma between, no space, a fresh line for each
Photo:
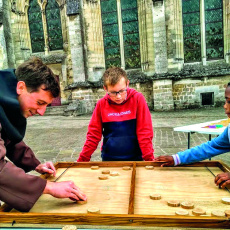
155,196
198,211
103,177
106,171
226,200
126,168
218,213
173,203
94,167
187,205
69,227
182,212
227,213
114,173
81,201
93,210
149,167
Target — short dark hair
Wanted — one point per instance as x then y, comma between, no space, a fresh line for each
113,75
35,73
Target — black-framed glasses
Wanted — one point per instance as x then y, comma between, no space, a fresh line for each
114,94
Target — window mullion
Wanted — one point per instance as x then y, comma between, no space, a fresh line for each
202,25
45,30
120,34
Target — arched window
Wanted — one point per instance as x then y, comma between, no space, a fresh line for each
54,25
38,25
203,30
121,33
214,29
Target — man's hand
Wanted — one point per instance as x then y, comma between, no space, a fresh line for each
169,161
222,180
47,167
65,189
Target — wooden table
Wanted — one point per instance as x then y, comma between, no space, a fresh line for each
124,200
200,128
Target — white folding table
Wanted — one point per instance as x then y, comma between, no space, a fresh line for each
199,128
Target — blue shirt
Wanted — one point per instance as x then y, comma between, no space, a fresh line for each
216,146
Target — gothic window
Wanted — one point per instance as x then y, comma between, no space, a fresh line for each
36,27
51,23
120,33
202,29
214,29
54,25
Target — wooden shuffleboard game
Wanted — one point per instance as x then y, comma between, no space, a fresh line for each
124,197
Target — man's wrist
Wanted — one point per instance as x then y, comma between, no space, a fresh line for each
176,159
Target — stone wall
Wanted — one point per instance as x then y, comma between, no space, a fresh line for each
187,93
160,94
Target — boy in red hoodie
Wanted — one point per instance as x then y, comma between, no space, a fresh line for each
123,118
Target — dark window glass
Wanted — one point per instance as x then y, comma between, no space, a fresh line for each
54,25
130,34
191,30
214,29
110,33
207,98
36,27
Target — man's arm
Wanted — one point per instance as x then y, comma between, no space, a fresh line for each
22,156
201,152
206,150
144,129
93,137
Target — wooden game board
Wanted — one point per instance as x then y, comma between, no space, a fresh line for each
124,199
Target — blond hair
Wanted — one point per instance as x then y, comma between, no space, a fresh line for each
113,75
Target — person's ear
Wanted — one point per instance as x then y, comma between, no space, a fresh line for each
21,87
104,88
128,84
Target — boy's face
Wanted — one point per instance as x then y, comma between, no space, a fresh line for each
32,103
227,101
118,92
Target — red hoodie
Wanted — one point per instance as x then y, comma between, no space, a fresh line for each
126,128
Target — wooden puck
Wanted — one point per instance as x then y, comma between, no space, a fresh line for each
94,167
187,205
69,227
114,173
155,196
81,201
103,177
182,213
227,213
218,213
126,168
198,211
93,210
149,167
173,203
105,171
226,200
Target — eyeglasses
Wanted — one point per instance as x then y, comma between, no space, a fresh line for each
114,94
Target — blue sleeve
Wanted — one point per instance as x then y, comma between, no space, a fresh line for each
207,150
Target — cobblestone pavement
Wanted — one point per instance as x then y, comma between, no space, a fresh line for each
59,138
